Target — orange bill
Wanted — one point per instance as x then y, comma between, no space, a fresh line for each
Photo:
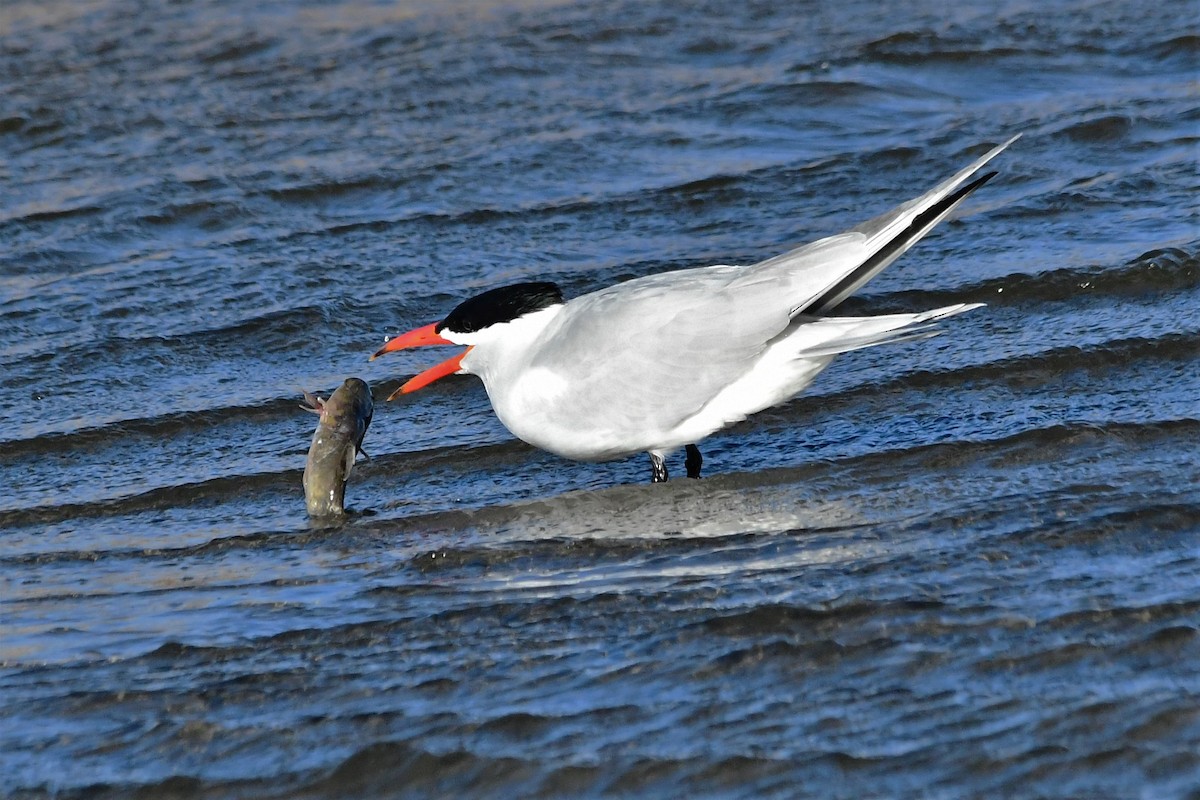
423,379
421,337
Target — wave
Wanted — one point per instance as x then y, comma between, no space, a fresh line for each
621,202
1158,271
770,619
1183,49
160,498
12,124
322,191
203,214
587,513
160,427
1023,370
1010,42
241,46
428,771
1111,127
816,93
273,331
37,214
929,46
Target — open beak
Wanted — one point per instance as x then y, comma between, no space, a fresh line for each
422,337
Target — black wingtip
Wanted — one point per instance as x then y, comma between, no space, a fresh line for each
936,210
973,185
827,301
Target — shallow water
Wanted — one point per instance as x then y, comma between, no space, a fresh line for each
960,567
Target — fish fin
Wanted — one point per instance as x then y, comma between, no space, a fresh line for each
364,453
350,453
314,403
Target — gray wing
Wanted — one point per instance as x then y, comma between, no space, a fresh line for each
651,352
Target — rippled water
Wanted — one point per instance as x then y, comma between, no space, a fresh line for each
962,567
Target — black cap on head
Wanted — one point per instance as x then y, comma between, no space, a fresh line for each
500,305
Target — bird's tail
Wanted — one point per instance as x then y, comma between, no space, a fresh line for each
833,335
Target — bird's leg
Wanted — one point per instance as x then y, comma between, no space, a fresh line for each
658,469
693,461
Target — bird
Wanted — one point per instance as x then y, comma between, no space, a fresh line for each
660,362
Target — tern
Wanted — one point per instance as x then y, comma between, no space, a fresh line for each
660,362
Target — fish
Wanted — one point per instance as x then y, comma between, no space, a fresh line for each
345,417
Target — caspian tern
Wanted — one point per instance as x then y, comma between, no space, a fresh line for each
660,362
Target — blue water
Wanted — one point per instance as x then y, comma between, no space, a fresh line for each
962,567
